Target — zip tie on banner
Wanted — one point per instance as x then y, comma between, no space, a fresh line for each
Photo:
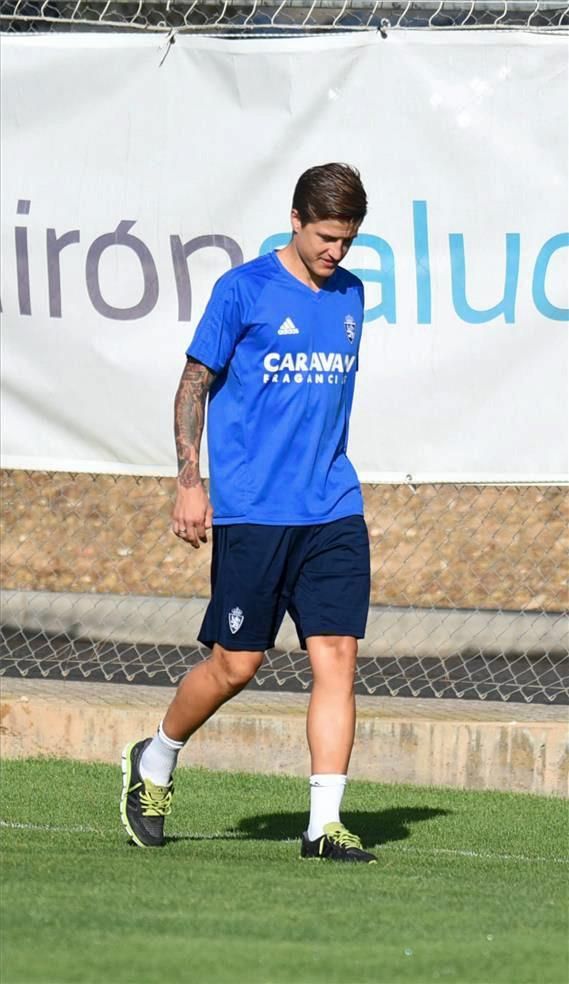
170,40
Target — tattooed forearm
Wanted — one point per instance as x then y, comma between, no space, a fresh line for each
189,408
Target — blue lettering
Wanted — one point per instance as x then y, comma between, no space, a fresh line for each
507,306
384,276
277,241
541,301
422,262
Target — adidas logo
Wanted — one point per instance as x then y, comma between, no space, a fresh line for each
288,327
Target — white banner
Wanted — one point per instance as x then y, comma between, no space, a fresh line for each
129,186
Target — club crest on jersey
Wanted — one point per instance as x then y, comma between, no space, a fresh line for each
350,326
235,619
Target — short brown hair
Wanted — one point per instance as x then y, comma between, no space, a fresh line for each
330,191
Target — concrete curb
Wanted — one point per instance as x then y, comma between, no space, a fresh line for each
463,744
392,632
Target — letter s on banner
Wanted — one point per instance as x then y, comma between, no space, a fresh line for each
122,237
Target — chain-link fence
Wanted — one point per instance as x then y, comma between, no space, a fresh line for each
275,16
469,588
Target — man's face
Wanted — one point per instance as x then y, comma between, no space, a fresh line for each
323,245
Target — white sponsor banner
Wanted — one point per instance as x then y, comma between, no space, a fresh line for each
129,186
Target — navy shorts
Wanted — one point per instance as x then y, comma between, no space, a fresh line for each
319,574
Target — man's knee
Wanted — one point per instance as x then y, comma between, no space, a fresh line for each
333,658
235,669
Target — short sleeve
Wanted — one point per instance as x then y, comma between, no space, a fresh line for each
361,313
219,328
360,289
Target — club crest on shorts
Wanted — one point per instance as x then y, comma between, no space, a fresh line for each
350,326
235,619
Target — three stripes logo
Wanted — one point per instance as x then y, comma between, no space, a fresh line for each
288,327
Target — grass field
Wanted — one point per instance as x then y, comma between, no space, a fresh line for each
470,887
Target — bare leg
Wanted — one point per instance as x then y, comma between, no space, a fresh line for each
207,687
331,721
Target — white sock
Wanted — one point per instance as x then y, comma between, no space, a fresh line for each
326,792
159,758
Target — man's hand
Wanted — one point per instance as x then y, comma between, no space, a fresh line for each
192,514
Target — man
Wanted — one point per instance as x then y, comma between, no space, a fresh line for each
276,354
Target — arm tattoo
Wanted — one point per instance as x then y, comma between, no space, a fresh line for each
189,409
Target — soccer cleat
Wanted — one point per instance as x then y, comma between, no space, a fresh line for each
336,844
143,804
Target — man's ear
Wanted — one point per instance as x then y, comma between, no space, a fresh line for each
295,221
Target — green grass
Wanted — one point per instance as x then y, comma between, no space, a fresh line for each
470,887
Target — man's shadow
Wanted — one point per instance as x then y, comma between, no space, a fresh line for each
375,827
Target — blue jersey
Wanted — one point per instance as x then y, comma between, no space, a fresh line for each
285,358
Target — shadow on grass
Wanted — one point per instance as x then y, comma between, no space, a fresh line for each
373,826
